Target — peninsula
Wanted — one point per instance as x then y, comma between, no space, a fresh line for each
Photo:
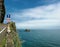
8,34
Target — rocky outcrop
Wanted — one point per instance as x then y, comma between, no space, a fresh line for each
9,39
12,37
2,11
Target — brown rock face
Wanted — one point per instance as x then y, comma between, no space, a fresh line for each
2,11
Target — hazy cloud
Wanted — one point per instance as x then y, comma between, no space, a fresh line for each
50,17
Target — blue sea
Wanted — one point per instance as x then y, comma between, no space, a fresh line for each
40,38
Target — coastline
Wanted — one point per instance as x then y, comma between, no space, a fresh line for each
10,39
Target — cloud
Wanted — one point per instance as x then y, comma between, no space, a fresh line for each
38,17
38,24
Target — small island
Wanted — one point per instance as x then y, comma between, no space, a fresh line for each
27,30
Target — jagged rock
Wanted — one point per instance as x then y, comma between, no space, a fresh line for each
10,39
2,11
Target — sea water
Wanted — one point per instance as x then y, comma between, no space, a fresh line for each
40,38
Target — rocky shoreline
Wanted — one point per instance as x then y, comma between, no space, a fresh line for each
10,39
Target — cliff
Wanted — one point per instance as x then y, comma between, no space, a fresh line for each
8,33
10,39
2,11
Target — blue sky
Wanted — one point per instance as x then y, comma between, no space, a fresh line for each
42,14
25,4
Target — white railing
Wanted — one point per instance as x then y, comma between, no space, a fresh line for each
2,30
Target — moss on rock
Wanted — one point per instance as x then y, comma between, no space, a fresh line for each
10,39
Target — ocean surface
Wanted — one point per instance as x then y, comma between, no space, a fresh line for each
40,38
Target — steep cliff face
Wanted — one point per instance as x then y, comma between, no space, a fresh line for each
10,39
13,36
2,11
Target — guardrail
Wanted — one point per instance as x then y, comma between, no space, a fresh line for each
2,30
3,34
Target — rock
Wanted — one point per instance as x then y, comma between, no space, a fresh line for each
27,30
2,11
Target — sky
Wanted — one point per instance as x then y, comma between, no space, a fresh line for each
34,14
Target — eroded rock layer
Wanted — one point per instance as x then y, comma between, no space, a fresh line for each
2,11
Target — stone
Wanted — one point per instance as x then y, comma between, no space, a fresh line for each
2,11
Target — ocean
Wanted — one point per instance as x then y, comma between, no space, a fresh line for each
40,38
